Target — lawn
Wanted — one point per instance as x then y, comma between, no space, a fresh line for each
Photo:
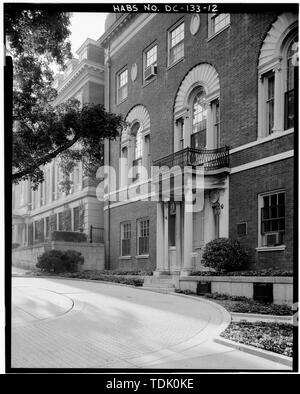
275,337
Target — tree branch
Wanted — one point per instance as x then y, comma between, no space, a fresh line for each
44,160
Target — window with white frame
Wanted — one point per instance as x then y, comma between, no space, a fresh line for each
126,239
272,219
276,71
199,119
76,218
143,236
150,63
289,112
138,150
176,43
122,86
217,22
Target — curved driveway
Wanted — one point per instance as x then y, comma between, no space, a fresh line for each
60,323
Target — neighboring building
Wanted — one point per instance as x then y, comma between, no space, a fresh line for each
37,213
201,89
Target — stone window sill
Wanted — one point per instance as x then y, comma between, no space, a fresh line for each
270,248
125,257
142,256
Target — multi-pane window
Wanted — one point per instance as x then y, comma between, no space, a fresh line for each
219,21
290,85
270,85
216,120
198,137
138,149
151,57
176,44
76,213
125,239
47,227
122,86
60,221
273,219
143,236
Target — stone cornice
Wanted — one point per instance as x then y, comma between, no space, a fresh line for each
83,65
114,29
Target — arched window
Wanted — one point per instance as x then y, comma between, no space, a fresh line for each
276,69
290,83
196,110
135,146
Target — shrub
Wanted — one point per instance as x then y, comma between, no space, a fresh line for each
15,245
224,255
58,261
68,236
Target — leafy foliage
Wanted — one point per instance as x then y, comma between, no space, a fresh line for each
241,304
58,261
36,40
275,337
68,236
224,254
265,272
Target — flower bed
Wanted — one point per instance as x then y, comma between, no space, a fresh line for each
275,337
266,272
240,304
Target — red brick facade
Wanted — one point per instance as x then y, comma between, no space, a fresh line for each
234,54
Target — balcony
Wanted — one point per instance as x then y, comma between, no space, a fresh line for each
212,159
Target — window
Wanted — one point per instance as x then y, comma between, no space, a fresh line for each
269,83
272,223
47,227
216,119
172,224
122,83
60,221
290,84
143,237
138,149
76,213
276,71
219,21
150,63
176,44
199,119
125,239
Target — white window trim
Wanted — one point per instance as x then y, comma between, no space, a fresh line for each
144,62
278,66
118,85
169,32
260,247
125,256
210,33
138,237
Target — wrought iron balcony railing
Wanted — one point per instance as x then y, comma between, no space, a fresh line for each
212,159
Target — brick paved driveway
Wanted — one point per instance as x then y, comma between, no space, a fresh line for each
60,323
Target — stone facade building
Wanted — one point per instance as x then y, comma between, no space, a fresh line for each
207,91
37,213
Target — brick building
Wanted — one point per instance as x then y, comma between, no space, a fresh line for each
208,91
37,213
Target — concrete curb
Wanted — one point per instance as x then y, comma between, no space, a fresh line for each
278,358
237,316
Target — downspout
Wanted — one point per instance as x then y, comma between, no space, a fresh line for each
108,63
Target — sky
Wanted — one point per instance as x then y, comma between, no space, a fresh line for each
86,25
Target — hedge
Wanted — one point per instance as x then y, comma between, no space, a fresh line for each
68,236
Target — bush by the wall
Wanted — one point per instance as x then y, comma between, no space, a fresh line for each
58,261
15,245
224,255
68,236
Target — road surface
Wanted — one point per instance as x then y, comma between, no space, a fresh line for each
59,323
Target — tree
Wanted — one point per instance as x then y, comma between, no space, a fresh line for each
37,39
